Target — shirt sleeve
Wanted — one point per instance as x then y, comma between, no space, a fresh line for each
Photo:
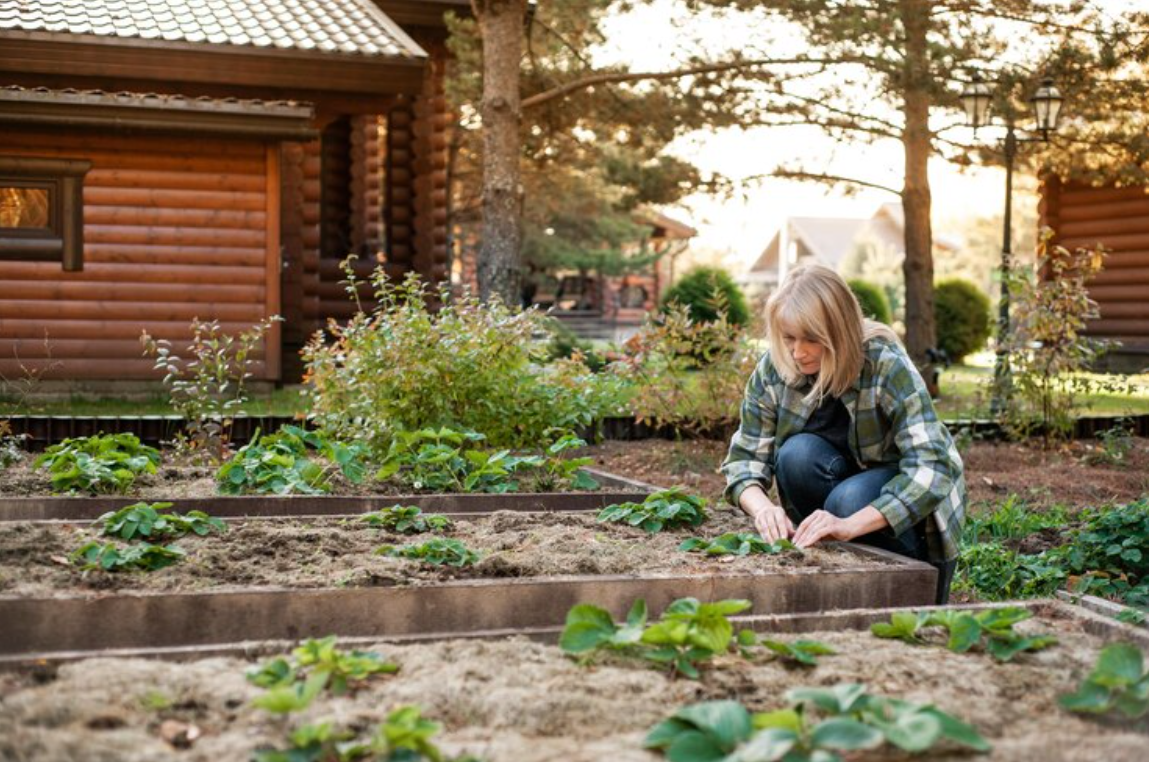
751,454
927,469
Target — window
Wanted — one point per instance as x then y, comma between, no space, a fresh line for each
42,210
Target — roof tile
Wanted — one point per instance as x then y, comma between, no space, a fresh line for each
351,27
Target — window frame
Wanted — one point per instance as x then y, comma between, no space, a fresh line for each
63,240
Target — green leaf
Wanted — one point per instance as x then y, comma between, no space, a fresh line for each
1089,697
784,719
845,735
770,745
958,731
587,627
965,632
726,722
695,746
1119,665
664,733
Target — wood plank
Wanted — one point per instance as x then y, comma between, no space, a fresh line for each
142,216
1077,195
159,236
89,140
116,272
1123,259
1121,276
175,199
173,309
1113,310
1130,327
102,160
133,292
124,349
104,329
1135,293
1110,210
1102,228
71,369
145,178
174,255
1127,242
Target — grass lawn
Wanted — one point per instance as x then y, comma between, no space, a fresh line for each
965,392
287,401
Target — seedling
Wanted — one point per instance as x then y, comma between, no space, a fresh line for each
436,552
146,520
724,731
99,464
803,653
316,664
142,557
407,520
1118,681
669,509
991,628
737,544
688,633
566,473
405,736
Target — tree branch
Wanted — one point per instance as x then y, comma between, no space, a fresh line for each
821,177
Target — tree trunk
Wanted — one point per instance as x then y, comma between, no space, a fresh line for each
918,267
501,27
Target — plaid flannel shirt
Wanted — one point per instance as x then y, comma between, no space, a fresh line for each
893,424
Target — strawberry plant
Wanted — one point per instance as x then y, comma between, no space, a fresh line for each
560,473
803,653
436,552
992,629
442,460
407,520
315,665
724,731
142,557
669,509
146,520
1118,681
405,736
1109,554
737,544
688,633
279,463
98,464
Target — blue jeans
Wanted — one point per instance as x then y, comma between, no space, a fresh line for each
814,475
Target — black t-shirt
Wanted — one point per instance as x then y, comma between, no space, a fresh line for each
831,421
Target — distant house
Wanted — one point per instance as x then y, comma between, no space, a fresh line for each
829,240
216,160
1118,219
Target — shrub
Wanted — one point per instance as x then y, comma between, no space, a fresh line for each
467,366
962,314
872,300
279,463
705,291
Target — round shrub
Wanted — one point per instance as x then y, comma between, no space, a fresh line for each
962,314
873,301
699,291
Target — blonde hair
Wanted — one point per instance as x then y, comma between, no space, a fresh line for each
815,301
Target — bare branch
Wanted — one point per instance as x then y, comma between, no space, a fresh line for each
821,177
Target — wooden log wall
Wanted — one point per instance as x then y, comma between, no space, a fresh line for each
1117,218
174,229
399,202
433,121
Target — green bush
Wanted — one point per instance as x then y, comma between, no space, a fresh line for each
873,301
706,291
464,366
962,314
99,464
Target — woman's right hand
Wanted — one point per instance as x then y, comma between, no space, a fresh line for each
773,524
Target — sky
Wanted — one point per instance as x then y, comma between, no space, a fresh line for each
741,227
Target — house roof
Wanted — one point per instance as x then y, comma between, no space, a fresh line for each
346,27
672,227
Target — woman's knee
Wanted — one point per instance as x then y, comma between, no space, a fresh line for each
858,491
803,456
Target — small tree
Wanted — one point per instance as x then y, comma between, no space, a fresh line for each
1047,350
962,314
707,291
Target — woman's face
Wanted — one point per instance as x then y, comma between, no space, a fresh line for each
806,353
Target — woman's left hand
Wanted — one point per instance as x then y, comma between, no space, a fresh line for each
823,525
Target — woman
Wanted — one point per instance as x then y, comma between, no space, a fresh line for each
839,415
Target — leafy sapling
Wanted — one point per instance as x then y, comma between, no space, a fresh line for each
143,557
992,629
146,520
1118,681
802,653
405,736
737,544
437,552
566,473
669,509
315,665
100,464
902,626
407,520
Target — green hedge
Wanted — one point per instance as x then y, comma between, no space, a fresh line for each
698,289
873,301
962,314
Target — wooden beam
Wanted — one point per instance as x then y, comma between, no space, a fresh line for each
273,341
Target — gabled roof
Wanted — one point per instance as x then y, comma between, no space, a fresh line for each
347,27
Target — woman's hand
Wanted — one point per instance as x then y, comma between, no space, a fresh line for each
773,524
823,525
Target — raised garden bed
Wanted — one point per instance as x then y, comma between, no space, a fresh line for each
516,699
287,578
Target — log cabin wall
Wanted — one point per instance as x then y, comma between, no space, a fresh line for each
174,229
1117,218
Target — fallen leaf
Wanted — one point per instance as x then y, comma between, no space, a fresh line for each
62,560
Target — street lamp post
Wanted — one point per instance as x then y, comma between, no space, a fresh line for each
976,98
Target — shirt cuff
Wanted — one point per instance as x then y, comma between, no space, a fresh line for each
895,512
735,490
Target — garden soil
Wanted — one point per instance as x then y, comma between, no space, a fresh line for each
993,470
521,701
334,552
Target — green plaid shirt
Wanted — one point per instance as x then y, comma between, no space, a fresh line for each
893,424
